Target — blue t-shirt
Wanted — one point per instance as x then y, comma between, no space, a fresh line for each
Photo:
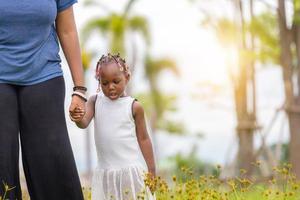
28,40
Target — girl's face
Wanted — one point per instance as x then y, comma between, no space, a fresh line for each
113,81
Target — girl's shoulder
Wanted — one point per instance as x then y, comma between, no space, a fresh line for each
137,107
93,98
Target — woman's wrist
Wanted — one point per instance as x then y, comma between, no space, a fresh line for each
77,94
79,88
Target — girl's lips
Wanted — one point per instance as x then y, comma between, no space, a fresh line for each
113,95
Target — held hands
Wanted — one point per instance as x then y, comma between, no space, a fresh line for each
77,109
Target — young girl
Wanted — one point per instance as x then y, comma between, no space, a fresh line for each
120,135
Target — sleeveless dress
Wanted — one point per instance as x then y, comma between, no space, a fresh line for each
121,167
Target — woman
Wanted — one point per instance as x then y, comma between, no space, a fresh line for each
32,97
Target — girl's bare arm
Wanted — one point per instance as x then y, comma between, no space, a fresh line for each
143,137
90,111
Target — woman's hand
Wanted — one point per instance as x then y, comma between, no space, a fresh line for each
77,109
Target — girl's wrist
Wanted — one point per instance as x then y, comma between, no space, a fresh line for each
152,170
80,124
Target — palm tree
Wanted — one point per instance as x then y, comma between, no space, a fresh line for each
160,103
117,28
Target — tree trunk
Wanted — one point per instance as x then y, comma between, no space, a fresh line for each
245,117
294,114
294,124
292,101
285,53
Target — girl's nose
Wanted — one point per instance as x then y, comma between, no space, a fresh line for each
111,86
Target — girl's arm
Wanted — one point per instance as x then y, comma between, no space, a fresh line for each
90,111
67,34
143,137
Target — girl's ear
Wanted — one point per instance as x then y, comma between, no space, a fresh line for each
127,77
99,87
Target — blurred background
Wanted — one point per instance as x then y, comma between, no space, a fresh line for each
219,80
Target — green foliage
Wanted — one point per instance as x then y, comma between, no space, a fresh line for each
296,18
284,156
100,24
140,24
265,28
6,188
163,104
174,127
86,58
191,164
227,32
210,187
155,66
115,26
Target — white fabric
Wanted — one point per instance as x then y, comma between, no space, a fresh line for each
121,167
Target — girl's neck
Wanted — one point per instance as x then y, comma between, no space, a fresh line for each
120,97
123,95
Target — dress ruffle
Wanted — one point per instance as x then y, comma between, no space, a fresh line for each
120,184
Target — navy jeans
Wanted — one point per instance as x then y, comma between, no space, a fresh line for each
34,115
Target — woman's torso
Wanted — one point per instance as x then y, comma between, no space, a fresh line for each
28,41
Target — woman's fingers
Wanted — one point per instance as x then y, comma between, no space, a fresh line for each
77,114
77,109
76,118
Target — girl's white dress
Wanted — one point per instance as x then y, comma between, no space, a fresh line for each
121,167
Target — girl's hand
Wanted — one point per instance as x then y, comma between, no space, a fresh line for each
77,109
151,181
152,173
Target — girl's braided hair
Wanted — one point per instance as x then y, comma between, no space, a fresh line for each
110,58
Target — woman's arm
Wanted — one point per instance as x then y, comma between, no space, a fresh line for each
90,111
143,137
67,34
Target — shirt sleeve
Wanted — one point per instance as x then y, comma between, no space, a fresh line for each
64,4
